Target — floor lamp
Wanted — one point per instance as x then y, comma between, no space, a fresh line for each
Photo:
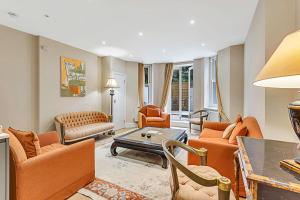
111,84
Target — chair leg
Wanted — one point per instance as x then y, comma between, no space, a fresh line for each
190,127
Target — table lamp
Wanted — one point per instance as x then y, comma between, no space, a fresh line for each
111,84
283,71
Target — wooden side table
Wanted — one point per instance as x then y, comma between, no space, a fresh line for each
264,179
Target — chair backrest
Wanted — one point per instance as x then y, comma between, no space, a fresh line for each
75,119
144,109
253,127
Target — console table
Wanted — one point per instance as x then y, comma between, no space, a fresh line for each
4,167
258,160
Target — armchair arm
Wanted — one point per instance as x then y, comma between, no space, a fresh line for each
220,126
60,168
48,138
141,120
203,114
166,117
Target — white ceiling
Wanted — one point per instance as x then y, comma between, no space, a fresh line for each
168,35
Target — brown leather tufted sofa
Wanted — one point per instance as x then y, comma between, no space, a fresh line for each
76,126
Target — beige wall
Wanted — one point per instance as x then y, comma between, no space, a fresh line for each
231,80
158,82
18,82
267,30
50,101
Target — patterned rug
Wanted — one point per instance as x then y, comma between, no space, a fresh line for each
100,189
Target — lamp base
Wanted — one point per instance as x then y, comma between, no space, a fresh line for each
294,112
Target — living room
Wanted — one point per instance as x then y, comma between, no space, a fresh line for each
107,88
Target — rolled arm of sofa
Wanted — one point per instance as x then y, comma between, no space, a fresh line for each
49,173
141,120
48,138
166,117
220,126
104,117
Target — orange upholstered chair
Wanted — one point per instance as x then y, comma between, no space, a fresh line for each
57,173
220,152
154,116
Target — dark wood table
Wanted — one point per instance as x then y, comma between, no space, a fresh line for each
134,140
264,179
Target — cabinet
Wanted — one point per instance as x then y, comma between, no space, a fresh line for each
4,167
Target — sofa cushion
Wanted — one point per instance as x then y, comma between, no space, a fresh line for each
29,141
239,130
155,119
190,190
153,112
210,133
227,132
51,147
16,148
87,130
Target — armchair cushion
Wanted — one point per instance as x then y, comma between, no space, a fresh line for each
155,119
228,131
195,121
48,138
190,190
153,112
220,126
29,141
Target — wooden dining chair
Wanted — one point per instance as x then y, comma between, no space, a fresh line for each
197,118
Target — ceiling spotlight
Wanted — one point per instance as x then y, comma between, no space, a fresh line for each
203,44
192,21
164,51
141,33
12,14
130,55
103,43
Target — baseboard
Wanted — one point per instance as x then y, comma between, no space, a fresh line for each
130,125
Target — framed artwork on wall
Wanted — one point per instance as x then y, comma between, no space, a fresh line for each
72,77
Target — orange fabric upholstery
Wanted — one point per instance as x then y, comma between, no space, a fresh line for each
48,138
239,130
220,152
29,142
153,112
57,173
162,121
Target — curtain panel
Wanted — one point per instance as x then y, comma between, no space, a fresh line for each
219,98
167,84
141,84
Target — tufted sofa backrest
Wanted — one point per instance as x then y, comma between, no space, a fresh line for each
75,119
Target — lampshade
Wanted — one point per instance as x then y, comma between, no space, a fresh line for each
111,83
283,68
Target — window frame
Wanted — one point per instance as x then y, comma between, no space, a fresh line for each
212,80
149,84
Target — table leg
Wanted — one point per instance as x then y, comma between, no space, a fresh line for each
165,162
113,149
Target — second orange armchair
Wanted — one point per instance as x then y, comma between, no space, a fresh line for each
154,116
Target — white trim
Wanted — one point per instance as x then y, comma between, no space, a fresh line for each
130,125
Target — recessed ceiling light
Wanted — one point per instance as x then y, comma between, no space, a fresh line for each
47,16
164,51
103,43
192,21
141,33
12,14
130,55
203,44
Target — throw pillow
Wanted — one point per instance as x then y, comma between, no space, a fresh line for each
239,130
29,141
239,119
153,112
227,132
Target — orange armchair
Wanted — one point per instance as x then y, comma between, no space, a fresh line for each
154,116
220,151
57,173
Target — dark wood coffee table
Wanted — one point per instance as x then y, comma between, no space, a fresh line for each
134,140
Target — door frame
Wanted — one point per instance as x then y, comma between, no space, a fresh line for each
125,84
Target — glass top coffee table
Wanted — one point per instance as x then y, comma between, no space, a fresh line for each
138,140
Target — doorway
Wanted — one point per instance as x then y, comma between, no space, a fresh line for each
119,101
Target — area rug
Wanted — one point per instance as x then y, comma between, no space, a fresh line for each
99,190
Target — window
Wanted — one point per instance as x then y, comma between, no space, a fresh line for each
148,85
182,92
213,102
